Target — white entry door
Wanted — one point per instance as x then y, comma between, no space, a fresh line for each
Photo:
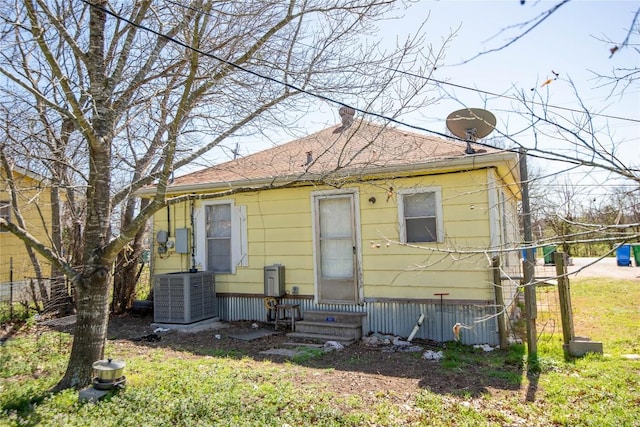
336,249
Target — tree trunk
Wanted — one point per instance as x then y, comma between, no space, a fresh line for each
93,284
59,298
125,277
90,329
126,272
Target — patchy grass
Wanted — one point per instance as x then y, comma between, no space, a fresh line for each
180,388
604,310
304,354
15,312
608,311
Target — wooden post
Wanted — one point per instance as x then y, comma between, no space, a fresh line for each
441,315
497,287
531,307
11,288
564,296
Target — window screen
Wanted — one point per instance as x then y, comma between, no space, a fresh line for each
420,218
218,229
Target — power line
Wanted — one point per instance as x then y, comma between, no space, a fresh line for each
513,98
323,97
265,77
460,86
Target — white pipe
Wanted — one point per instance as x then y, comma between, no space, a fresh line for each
415,328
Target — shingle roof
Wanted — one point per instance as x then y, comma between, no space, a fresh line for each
363,146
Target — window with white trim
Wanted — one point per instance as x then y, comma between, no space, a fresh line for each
5,213
504,219
218,226
509,229
420,212
221,236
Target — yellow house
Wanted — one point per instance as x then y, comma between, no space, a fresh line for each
372,220
33,198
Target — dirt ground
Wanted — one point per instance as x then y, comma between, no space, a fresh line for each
360,369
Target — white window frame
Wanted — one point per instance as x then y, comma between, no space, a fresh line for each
503,218
509,229
239,244
439,219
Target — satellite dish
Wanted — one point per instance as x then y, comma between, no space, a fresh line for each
471,124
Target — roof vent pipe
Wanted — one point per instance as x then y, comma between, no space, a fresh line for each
346,115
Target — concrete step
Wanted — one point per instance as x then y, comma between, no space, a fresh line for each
321,337
334,316
347,330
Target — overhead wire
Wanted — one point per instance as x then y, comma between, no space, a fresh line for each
330,99
456,85
265,77
513,98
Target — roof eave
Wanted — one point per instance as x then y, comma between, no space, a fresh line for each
448,164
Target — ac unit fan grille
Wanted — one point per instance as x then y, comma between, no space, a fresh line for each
184,297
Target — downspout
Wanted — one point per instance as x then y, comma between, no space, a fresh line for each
193,240
168,221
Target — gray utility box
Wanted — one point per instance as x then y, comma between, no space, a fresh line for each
274,280
184,297
182,240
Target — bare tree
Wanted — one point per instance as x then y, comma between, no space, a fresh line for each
122,95
581,140
14,192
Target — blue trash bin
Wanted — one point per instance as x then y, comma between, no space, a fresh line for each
623,255
524,254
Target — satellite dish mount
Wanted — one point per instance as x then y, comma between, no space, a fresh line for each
471,124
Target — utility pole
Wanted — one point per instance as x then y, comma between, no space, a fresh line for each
531,309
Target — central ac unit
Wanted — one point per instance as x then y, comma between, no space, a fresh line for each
184,297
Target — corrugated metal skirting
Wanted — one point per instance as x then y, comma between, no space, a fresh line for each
394,318
399,318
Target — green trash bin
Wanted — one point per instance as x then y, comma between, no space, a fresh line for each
548,252
636,254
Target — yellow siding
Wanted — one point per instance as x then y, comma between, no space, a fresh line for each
428,292
298,249
466,277
279,229
35,205
168,219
